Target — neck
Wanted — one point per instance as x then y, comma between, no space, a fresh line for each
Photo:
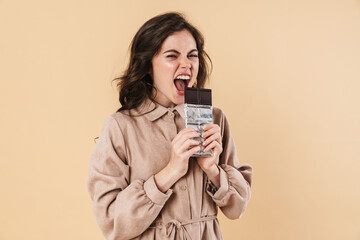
164,101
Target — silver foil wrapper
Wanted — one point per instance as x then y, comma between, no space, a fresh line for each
196,117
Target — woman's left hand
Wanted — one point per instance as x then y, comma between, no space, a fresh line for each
212,141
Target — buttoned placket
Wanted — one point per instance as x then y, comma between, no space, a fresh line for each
181,186
175,124
170,113
170,118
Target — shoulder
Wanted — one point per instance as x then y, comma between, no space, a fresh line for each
116,121
121,117
217,111
219,116
126,120
220,119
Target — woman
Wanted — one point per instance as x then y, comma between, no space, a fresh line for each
143,182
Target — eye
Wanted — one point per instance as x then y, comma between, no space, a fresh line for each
193,55
171,56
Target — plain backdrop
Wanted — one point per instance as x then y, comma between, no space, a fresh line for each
286,73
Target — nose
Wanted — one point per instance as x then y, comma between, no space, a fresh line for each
185,63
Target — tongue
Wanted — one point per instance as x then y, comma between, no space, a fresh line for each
179,84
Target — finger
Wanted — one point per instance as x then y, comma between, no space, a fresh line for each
184,131
191,151
186,140
211,130
187,144
187,135
212,146
215,137
217,150
188,129
209,126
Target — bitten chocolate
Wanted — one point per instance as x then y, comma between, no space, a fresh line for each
198,111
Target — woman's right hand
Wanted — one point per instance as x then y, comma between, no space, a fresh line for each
182,147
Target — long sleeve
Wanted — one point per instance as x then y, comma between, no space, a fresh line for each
235,180
123,209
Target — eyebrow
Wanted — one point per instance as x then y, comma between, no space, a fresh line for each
173,50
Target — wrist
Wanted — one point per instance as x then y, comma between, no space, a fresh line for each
214,175
173,172
212,172
166,178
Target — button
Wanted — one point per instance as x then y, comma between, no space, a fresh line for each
183,188
170,114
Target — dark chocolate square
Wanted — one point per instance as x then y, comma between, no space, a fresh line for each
198,96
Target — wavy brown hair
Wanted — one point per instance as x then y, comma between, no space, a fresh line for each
135,84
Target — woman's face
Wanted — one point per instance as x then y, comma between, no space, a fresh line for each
175,67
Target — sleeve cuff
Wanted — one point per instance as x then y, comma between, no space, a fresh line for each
155,195
224,186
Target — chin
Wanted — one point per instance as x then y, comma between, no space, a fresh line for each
179,100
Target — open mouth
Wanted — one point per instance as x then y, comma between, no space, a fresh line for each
181,82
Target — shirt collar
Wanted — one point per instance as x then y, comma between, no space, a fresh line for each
153,110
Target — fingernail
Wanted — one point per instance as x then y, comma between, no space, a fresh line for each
203,134
204,143
203,127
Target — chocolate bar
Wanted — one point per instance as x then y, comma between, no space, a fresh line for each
198,111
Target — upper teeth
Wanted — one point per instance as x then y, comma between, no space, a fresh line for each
183,77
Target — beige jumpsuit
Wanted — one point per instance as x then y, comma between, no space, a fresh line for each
126,201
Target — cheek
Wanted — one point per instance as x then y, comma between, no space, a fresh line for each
165,68
196,67
158,70
195,62
169,66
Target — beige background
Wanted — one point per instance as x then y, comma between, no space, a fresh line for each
286,73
